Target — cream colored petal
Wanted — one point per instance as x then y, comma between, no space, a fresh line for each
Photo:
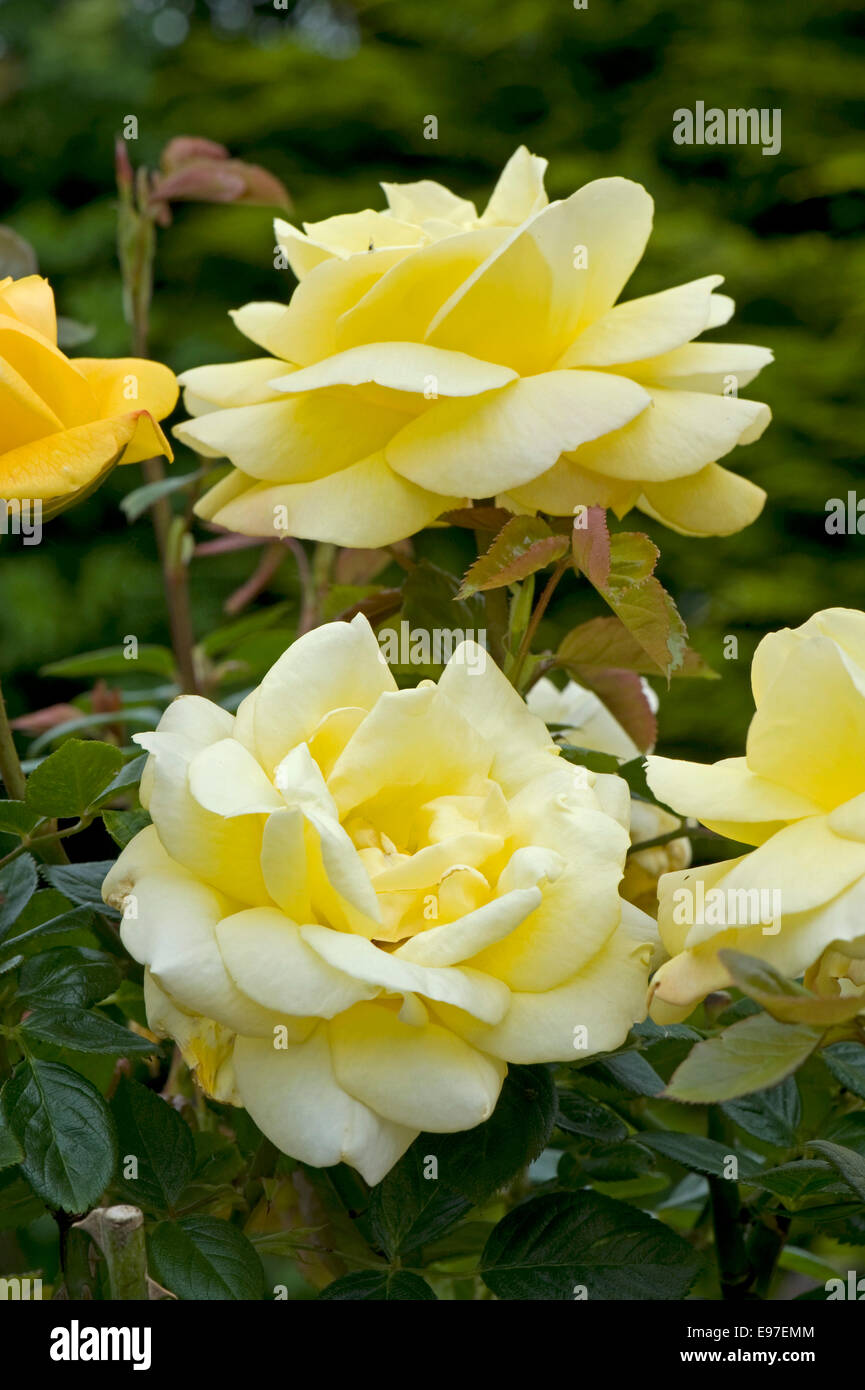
808,733
423,1077
169,925
336,665
296,440
412,367
366,505
457,941
293,1096
519,193
593,1012
713,502
646,327
500,440
268,959
469,990
725,794
715,367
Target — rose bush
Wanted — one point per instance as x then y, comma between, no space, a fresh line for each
429,355
798,795
65,422
357,904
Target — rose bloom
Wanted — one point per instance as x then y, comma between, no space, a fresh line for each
430,356
65,422
356,904
798,899
587,723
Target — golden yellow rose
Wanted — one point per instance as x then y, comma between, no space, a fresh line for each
430,355
65,422
796,901
356,904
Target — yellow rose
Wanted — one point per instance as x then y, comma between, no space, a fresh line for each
589,724
429,355
64,423
798,900
357,904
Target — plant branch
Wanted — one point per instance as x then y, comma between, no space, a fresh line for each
539,611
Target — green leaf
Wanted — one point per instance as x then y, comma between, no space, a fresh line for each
81,883
580,1115
128,777
555,1245
800,1181
773,1115
136,503
430,602
631,1070
408,1209
700,1155
847,1162
753,1054
82,1030
67,975
11,1151
19,1205
786,999
18,882
74,920
607,643
123,826
16,818
151,1131
480,1161
391,1285
70,780
524,545
66,1131
202,1258
112,661
846,1061
616,1162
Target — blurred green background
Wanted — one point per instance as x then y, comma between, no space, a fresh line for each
331,96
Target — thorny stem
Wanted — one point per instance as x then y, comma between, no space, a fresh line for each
136,245
534,620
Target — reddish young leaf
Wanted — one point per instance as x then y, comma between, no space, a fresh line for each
590,541
523,546
623,694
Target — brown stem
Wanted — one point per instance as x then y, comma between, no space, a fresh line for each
137,250
534,620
